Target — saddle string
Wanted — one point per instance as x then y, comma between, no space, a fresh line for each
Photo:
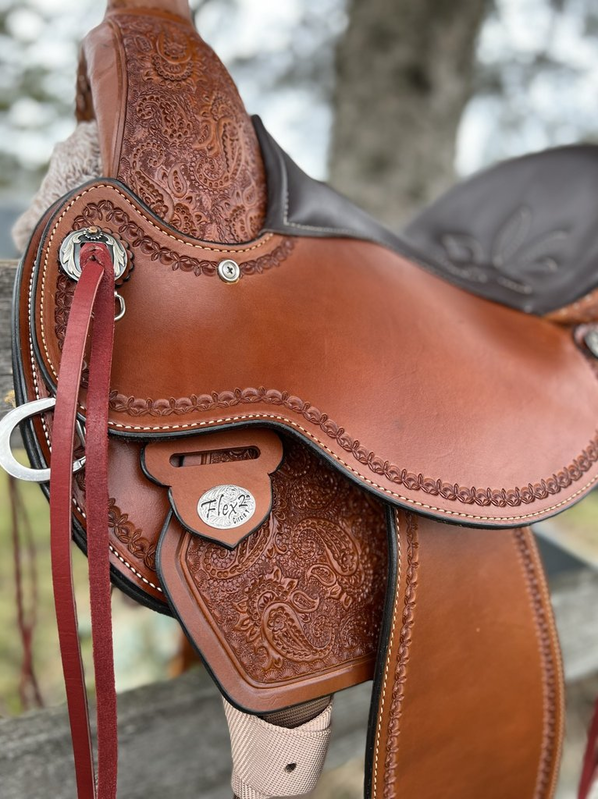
93,297
25,569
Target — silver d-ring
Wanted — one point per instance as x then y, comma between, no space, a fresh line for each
8,425
122,307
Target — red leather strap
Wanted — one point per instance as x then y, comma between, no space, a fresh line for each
96,499
94,292
589,774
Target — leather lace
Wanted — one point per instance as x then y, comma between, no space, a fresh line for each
93,298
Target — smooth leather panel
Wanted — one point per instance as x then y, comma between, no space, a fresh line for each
471,696
522,233
428,395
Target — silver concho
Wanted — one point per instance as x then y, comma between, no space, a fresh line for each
229,271
71,247
225,507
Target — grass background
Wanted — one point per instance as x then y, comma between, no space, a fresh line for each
145,642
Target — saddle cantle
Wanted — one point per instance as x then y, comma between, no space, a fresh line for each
297,402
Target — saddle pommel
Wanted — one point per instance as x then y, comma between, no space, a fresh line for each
171,124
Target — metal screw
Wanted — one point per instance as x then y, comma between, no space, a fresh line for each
229,271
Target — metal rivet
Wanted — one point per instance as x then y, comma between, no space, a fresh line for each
591,341
229,271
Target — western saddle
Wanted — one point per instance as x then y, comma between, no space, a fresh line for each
316,443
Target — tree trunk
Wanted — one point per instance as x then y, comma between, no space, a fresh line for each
404,73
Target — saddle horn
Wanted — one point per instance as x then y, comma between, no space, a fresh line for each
182,139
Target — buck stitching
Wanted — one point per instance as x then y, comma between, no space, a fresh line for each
284,419
550,674
403,653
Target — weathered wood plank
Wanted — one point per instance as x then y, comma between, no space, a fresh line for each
173,742
173,738
7,276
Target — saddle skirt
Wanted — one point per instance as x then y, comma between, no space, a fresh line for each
299,400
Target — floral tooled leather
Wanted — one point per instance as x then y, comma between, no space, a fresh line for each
189,149
305,592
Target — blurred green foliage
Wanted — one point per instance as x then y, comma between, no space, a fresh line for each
145,642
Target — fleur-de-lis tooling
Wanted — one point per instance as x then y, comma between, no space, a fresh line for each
513,254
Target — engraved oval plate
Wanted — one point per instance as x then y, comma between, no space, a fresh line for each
226,506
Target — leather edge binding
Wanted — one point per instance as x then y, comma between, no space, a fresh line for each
392,588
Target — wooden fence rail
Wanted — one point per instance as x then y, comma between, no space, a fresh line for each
7,276
173,735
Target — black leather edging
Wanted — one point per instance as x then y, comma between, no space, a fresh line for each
522,233
37,460
391,591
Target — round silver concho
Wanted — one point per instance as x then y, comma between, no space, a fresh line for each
229,271
225,507
70,250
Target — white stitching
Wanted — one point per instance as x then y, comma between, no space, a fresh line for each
138,574
283,419
290,422
389,649
49,443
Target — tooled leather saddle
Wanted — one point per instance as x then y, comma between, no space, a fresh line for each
317,444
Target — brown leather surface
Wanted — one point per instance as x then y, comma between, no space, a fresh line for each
181,138
472,692
188,468
581,311
432,397
294,612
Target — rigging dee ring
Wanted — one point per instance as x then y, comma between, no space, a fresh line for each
9,424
